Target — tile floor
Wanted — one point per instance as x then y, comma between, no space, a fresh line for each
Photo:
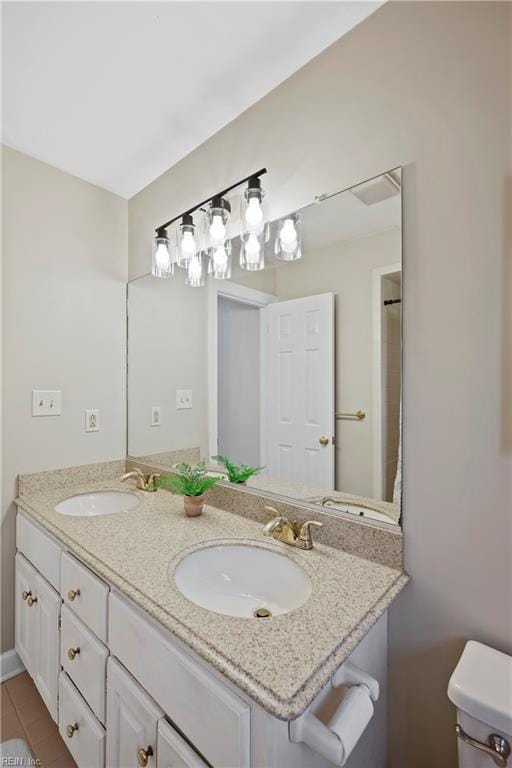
23,715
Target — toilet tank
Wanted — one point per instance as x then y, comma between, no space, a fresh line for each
481,689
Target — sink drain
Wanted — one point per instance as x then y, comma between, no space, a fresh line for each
262,613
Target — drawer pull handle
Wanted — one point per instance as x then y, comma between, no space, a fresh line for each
31,600
25,594
73,593
70,730
143,756
72,653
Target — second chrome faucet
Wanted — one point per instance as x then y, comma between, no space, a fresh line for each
290,531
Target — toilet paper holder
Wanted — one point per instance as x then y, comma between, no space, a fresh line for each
336,740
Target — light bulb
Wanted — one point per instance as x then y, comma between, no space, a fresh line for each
254,215
162,256
217,230
188,244
195,268
288,236
252,249
220,258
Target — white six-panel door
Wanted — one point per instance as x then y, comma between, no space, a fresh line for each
300,390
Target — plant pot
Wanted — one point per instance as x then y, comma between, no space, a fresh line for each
193,505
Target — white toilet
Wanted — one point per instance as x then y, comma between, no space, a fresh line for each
481,689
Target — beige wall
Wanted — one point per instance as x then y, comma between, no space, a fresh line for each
426,86
64,252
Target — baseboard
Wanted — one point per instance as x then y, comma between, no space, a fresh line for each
10,665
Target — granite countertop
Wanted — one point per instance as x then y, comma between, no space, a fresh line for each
283,662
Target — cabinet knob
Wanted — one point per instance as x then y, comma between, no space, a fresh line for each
143,756
73,594
72,653
324,440
70,730
31,600
25,594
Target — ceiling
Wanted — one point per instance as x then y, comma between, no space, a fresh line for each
117,92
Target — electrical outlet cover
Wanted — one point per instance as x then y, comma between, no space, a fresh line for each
92,421
156,416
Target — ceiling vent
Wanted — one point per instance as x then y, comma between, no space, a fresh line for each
376,190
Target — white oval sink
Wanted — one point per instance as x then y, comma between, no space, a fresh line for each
98,503
239,580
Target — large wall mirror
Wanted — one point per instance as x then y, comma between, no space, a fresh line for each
295,368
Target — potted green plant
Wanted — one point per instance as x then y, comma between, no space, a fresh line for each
191,482
237,473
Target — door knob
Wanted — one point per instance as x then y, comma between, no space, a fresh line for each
72,653
70,730
143,756
25,594
324,440
31,600
73,593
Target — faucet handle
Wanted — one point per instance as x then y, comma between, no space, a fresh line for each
273,511
305,533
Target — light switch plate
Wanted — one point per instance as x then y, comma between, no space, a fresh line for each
156,416
46,402
183,399
92,420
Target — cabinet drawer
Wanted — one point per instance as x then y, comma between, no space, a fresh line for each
85,593
40,548
173,751
200,705
85,660
87,740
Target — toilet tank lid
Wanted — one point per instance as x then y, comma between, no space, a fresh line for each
481,685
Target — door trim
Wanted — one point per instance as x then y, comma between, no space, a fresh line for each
243,295
377,275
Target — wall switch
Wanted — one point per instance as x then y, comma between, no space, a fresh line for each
92,421
46,402
183,398
156,416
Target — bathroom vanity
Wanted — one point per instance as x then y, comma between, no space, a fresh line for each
134,673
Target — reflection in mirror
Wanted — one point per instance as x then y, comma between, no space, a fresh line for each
295,368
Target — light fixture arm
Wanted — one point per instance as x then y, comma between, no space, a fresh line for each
209,199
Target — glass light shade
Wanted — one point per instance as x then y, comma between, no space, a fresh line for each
219,265
186,241
162,263
217,219
252,253
196,276
287,244
254,211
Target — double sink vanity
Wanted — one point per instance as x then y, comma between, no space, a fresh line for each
157,639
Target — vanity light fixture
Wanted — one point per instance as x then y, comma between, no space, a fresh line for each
195,271
162,262
252,253
191,251
254,211
288,238
186,241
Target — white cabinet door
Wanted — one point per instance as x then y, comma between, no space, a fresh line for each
25,613
173,751
47,656
300,390
132,719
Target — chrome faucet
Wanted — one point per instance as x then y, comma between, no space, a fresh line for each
290,531
144,482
